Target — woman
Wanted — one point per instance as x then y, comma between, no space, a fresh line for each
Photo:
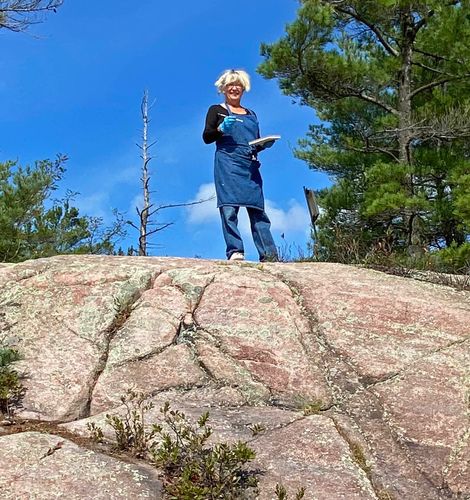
238,181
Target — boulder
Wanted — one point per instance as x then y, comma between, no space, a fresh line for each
43,466
359,380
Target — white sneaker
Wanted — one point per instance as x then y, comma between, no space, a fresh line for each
237,256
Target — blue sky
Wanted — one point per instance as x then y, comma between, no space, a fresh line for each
74,83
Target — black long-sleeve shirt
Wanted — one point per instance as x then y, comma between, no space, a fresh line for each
215,116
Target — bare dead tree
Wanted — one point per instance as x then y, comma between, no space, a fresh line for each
148,224
145,177
18,15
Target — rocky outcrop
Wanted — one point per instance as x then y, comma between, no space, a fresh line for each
360,380
43,466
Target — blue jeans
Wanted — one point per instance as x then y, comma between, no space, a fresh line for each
260,229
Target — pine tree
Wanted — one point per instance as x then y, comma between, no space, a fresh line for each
390,79
33,225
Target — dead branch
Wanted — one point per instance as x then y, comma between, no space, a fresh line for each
147,225
18,15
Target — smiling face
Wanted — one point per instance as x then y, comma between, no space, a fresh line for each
233,92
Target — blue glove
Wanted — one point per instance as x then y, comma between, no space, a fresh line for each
227,124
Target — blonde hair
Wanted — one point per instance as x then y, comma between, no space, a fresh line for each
231,76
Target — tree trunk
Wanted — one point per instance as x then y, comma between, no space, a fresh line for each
404,109
144,214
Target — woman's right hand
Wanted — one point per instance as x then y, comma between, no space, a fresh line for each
227,124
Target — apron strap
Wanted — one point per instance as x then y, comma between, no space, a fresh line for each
248,111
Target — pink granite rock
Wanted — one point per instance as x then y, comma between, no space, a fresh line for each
428,409
383,361
256,322
380,322
310,453
44,466
174,367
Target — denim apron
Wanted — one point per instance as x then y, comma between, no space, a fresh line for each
236,170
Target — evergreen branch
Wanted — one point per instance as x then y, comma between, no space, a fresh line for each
443,133
380,36
454,124
429,68
395,131
436,56
387,152
437,83
337,90
422,22
372,149
374,100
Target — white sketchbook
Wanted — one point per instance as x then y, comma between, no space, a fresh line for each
264,140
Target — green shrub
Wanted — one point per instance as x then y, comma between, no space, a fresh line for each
281,493
312,407
130,432
192,468
96,432
257,429
195,470
453,258
11,388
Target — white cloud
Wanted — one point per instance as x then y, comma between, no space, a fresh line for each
95,204
137,201
295,219
203,213
126,175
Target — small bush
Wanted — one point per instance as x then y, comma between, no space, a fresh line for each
309,406
11,388
130,432
281,493
257,429
193,470
291,252
312,408
96,432
453,259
